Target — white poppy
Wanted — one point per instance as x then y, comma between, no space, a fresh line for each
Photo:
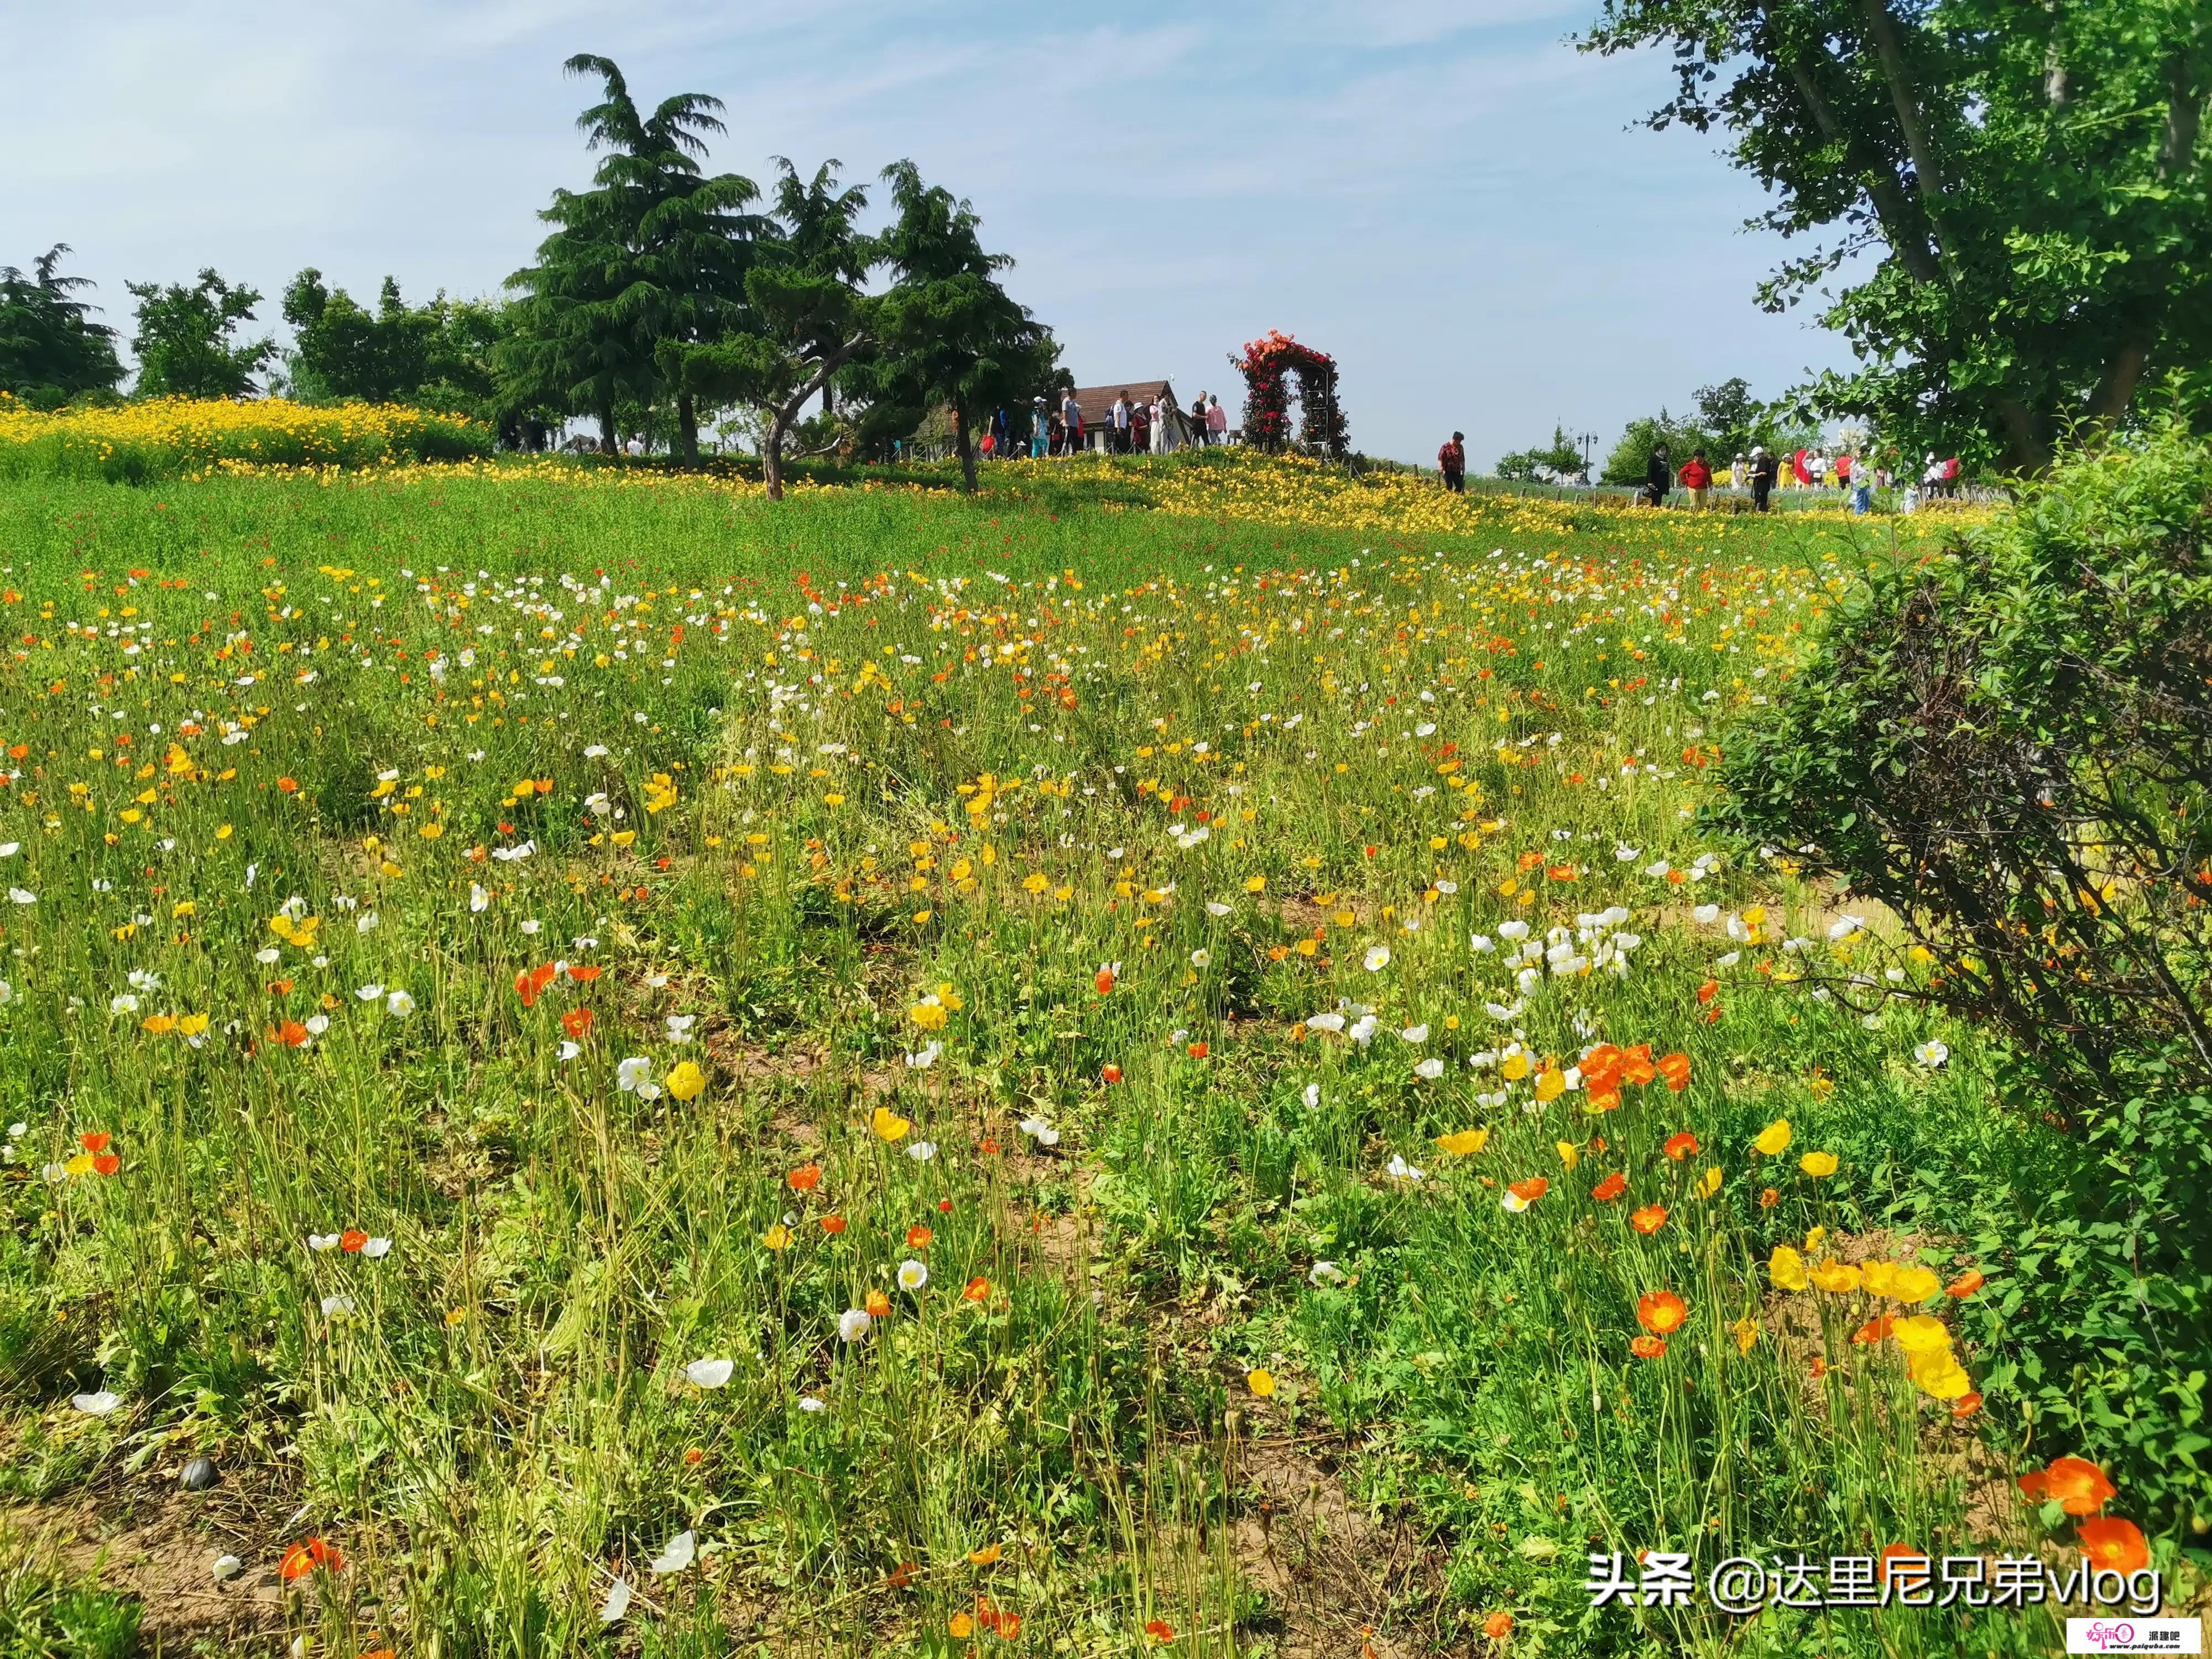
1215,907
852,1324
377,1247
1481,942
913,1274
1312,1096
1325,1272
23,895
1705,915
368,992
617,1601
227,1566
1432,1069
322,1240
96,1404
333,1306
366,922
1377,958
681,1551
1932,1053
633,1073
125,1004
1326,1022
923,1058
812,1403
398,1005
1399,1170
1201,958
710,1373
479,899
921,1150
1414,1034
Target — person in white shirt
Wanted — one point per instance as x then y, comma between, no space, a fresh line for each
1120,418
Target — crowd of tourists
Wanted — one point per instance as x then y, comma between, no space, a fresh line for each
1131,426
1758,474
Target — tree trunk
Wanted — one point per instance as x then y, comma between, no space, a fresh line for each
772,455
964,446
687,430
829,398
2027,451
1905,97
607,444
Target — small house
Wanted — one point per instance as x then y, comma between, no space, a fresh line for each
1096,403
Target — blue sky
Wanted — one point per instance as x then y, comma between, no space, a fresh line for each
1447,196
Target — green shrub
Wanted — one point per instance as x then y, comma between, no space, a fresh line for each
2010,745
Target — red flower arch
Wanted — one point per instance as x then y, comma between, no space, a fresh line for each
1265,363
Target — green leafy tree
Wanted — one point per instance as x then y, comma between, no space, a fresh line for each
820,225
1632,456
1559,458
51,350
655,253
950,331
2029,183
184,340
345,351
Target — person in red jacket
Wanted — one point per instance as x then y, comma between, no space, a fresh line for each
1696,478
1451,461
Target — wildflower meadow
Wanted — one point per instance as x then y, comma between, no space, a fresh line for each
1168,1057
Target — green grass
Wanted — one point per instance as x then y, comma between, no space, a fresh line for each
497,1423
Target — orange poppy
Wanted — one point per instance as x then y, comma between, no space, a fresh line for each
584,975
1610,1188
978,1290
2079,1485
94,1141
878,1305
806,1178
576,1022
1661,1311
1104,981
1965,1284
107,1164
1675,1068
303,1558
2113,1545
961,1628
1636,1065
988,1147
1110,1073
529,983
1819,1367
1647,1348
1872,1331
1498,1626
287,786
291,1033
1197,1051
1966,1404
352,1239
1603,1100
1708,990
1648,1220
1894,1554
1159,1629
1681,1144
833,1225
280,988
1560,872
1530,1190
1768,1198
918,1236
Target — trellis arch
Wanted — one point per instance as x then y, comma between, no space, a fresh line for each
1267,399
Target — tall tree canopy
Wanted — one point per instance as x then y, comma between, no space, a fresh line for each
654,253
949,330
2031,182
49,348
805,315
439,355
184,339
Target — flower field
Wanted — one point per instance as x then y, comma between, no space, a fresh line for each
642,1072
164,438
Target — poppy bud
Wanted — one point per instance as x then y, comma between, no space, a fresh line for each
1110,1073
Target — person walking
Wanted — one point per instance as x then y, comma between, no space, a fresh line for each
1697,478
1217,421
1118,417
1039,428
1451,461
1740,474
1764,469
1658,478
1071,425
1198,420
